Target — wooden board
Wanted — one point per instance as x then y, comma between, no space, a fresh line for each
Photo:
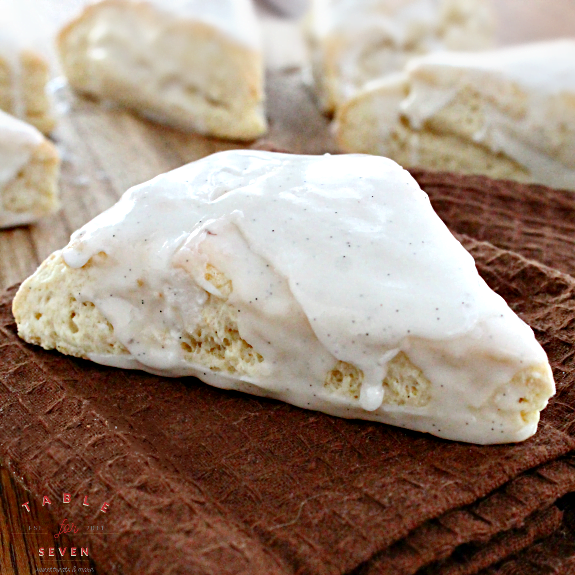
107,150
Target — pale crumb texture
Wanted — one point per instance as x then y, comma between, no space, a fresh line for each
191,76
28,84
530,388
349,45
216,342
521,400
49,314
372,123
404,383
33,193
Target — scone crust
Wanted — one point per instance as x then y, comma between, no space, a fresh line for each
229,105
49,313
33,193
488,123
36,104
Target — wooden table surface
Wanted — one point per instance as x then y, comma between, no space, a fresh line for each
105,151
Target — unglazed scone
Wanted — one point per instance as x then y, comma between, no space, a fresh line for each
193,64
29,168
355,41
508,113
24,75
325,281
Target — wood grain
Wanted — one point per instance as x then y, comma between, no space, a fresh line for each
23,533
107,150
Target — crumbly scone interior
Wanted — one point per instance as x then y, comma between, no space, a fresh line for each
35,188
444,142
219,92
33,77
49,314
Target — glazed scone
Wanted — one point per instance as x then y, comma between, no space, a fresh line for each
508,113
24,75
355,41
325,281
29,168
195,65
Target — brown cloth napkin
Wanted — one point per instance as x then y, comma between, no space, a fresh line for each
534,221
201,480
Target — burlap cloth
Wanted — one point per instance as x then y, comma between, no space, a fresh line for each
203,481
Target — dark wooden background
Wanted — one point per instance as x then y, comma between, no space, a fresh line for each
98,167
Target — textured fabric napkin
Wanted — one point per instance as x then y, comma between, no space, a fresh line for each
201,480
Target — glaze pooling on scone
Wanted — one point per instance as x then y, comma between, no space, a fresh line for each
507,113
194,64
332,275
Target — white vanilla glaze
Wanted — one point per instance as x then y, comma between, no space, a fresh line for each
529,78
331,258
18,140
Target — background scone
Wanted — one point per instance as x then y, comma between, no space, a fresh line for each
24,75
353,42
325,281
506,113
29,168
195,65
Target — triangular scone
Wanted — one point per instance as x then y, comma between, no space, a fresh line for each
507,113
29,168
325,281
352,43
196,65
24,75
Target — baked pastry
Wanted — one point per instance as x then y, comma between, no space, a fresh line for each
24,75
353,42
195,65
508,113
325,281
29,167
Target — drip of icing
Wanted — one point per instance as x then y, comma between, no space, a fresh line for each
331,258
